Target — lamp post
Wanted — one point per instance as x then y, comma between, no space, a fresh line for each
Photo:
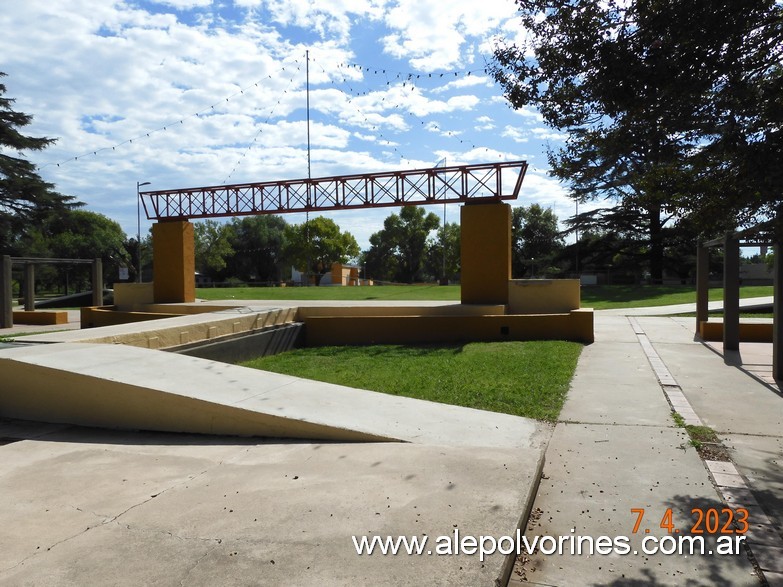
138,227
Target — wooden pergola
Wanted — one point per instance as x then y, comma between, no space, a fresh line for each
732,242
6,292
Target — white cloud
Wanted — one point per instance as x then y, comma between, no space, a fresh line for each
547,134
484,123
466,81
516,134
185,4
102,75
433,36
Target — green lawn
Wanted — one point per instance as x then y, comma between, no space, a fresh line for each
599,297
602,297
375,292
521,378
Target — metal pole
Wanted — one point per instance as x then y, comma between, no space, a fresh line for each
444,280
576,242
97,282
777,316
309,171
138,228
6,294
29,287
702,286
731,252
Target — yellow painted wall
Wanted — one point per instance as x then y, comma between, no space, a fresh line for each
485,250
98,316
88,400
164,334
303,313
41,317
174,262
344,274
543,296
748,332
361,330
130,294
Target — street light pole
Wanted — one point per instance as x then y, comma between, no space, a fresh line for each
138,227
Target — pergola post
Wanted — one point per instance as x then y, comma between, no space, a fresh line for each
731,265
6,294
485,252
29,287
702,286
97,282
173,262
777,316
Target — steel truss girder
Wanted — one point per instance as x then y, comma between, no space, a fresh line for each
436,185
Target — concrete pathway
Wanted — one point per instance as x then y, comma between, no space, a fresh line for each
96,507
617,449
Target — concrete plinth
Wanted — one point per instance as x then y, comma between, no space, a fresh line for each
174,262
485,252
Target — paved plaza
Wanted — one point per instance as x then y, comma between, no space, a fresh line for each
95,506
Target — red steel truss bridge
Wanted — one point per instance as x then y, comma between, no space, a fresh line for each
437,185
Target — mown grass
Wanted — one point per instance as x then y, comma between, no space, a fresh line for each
375,292
527,379
600,297
604,297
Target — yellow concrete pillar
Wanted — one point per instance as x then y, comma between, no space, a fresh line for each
173,262
486,253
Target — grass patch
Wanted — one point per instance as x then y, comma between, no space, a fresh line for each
375,292
704,439
719,314
600,297
604,297
527,379
701,435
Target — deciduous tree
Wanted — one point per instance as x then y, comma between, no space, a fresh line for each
671,108
316,244
535,239
397,251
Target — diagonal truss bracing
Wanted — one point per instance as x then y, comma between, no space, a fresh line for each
436,185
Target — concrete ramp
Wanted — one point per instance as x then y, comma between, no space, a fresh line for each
117,386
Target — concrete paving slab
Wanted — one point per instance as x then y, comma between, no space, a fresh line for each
753,358
724,397
23,330
136,388
760,460
594,476
668,330
97,507
612,328
615,374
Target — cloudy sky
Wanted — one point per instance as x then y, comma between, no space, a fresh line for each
187,93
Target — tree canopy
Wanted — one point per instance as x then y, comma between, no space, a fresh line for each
258,243
25,198
317,243
397,252
535,239
672,109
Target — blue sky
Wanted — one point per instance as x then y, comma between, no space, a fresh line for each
186,93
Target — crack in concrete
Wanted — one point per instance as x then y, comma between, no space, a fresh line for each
639,425
105,521
184,579
139,529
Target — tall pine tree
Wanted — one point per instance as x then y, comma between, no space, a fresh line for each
24,196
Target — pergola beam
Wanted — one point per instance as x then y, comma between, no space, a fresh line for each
461,184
